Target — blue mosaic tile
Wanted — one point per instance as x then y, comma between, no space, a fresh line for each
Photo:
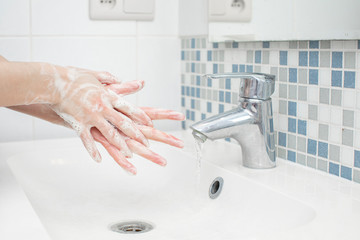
356,158
249,68
221,96
183,125
209,107
322,149
209,82
198,92
311,147
235,45
314,59
198,80
183,102
192,91
314,44
266,44
221,108
182,55
358,44
209,55
241,68
192,116
313,76
187,114
228,84
215,45
215,68
336,78
235,68
258,56
228,97
182,90
334,168
271,123
192,67
197,55
293,75
292,108
302,127
349,79
283,57
187,91
346,172
303,59
282,139
193,43
292,125
203,116
337,58
291,156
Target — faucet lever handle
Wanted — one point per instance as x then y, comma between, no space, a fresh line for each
252,85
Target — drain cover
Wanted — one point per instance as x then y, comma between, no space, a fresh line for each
131,227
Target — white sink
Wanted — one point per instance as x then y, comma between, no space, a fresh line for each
76,198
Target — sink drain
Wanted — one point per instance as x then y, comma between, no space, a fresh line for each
131,227
216,187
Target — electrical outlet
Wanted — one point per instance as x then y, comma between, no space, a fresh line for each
230,10
121,9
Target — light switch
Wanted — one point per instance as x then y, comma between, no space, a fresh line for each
121,9
230,10
138,6
217,7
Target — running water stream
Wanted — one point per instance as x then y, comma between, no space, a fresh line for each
199,144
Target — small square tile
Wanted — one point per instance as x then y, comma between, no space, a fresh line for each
322,165
303,44
335,134
347,137
349,98
293,44
325,44
324,59
281,153
282,107
282,139
265,57
322,149
324,95
336,97
314,59
337,59
302,127
336,78
249,68
291,141
302,93
303,58
356,158
346,172
313,76
356,177
313,112
215,95
349,79
283,57
249,56
348,118
323,132
311,162
312,147
266,44
283,75
258,56
292,125
334,153
302,110
334,168
301,159
313,44
234,98
235,45
303,76
292,92
282,90
349,59
301,144
291,156
274,71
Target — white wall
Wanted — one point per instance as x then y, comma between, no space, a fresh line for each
60,32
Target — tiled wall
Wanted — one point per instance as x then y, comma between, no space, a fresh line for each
316,102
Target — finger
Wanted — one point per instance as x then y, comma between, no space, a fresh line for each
89,144
106,78
145,152
158,114
125,125
132,112
114,152
157,135
113,136
127,88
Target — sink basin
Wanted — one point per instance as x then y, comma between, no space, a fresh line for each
76,198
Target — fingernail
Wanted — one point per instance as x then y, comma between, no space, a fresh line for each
162,161
176,116
97,157
127,153
131,171
145,142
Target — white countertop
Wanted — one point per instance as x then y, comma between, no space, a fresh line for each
336,200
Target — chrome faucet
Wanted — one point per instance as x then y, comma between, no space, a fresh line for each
250,123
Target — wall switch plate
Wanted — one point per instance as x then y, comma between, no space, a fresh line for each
142,10
230,10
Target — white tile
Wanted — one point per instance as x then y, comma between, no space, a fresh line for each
324,113
357,139
15,126
293,58
15,49
283,123
239,56
358,63
165,21
14,17
72,18
158,64
336,116
358,100
46,130
274,58
347,156
335,134
349,98
357,120
313,94
313,127
350,44
337,45
303,110
324,77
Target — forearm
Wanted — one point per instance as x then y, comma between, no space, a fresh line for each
25,83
